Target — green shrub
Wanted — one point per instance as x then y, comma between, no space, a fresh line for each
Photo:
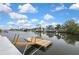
71,26
0,30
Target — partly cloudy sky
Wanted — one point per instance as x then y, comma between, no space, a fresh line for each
26,15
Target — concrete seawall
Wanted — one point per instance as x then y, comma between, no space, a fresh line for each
7,48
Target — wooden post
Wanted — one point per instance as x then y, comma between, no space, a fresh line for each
35,39
17,38
14,39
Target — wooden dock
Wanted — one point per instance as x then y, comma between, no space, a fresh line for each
42,42
34,41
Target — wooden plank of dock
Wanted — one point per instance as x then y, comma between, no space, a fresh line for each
24,43
37,41
42,42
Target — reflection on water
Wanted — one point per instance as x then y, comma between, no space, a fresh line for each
70,39
61,43
50,34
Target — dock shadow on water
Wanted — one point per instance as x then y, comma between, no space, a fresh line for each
33,49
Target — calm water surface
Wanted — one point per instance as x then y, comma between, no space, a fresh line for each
62,44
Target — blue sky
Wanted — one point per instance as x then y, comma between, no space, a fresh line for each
26,15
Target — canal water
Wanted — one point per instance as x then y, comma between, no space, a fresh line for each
62,44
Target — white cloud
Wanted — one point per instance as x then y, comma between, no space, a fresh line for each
27,8
27,24
10,27
6,27
74,18
19,20
17,16
74,6
22,21
19,24
48,17
5,8
34,20
43,24
59,8
11,23
54,24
